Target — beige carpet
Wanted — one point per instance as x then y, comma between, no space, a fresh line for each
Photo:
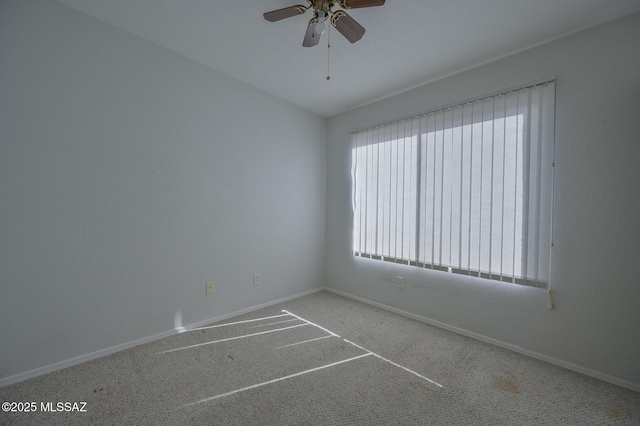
327,360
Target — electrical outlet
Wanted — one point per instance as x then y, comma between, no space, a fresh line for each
400,282
256,279
210,287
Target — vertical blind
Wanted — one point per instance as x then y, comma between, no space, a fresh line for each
466,189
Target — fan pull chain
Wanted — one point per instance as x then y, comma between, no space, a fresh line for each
328,51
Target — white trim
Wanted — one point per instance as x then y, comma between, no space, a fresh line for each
253,308
551,360
20,377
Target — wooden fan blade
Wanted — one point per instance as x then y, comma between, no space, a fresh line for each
355,4
311,38
347,26
287,12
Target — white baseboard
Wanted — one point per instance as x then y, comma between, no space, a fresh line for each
20,377
252,308
569,366
7,381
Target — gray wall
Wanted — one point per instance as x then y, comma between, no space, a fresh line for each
129,177
594,327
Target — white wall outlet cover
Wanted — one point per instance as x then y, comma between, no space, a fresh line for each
210,287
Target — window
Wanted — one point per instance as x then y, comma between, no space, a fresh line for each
466,189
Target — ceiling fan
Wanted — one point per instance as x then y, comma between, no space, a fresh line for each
322,10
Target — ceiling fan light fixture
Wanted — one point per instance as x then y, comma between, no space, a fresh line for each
319,24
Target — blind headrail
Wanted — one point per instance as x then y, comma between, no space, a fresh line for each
543,82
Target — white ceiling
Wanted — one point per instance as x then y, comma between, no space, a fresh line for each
407,43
